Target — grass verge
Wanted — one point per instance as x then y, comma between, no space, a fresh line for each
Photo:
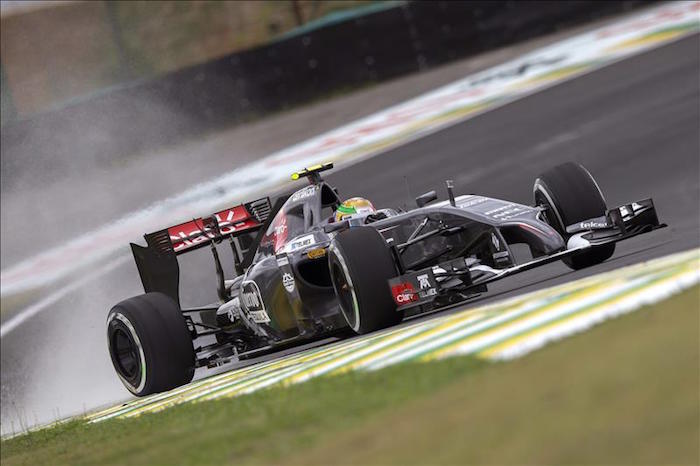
624,392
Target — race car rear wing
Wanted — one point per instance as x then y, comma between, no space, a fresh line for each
231,222
157,261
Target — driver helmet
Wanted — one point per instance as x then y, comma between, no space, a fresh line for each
355,207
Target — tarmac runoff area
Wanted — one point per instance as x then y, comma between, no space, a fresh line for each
632,123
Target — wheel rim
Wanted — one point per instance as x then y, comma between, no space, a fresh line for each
126,354
344,290
551,214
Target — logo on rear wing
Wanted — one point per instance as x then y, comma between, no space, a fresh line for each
193,234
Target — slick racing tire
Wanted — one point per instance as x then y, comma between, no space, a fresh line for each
571,195
361,264
150,344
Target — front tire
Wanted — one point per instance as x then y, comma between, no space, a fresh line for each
571,195
150,344
361,264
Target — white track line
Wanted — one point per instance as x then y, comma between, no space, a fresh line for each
45,303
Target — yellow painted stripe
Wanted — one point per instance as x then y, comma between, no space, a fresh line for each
489,352
376,349
235,378
449,325
652,39
586,292
452,324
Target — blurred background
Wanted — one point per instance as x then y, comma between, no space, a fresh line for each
142,74
104,44
98,87
111,106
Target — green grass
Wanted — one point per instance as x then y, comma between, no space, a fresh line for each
624,392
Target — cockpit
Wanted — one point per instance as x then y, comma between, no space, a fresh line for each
311,206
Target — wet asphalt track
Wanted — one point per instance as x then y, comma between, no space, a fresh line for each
634,125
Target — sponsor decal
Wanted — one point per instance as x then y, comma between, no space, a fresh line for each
510,213
598,223
259,317
304,193
282,261
316,253
404,293
279,231
471,201
423,281
624,211
300,243
251,299
497,209
189,234
414,288
253,302
288,281
593,225
507,211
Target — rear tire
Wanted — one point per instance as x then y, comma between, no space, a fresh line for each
150,344
361,264
571,195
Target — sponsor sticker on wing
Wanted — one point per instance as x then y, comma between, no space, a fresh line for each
190,234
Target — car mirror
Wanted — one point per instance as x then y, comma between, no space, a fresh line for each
331,227
426,198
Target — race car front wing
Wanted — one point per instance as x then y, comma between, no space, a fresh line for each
459,279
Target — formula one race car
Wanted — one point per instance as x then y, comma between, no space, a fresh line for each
305,270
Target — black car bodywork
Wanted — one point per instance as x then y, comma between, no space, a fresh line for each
443,253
